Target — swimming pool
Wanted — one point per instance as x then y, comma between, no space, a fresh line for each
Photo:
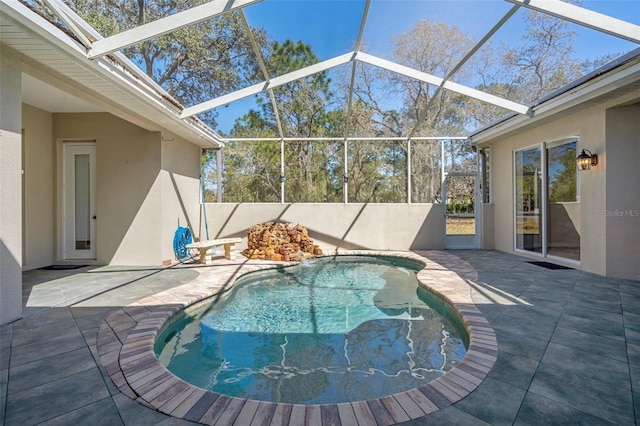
324,331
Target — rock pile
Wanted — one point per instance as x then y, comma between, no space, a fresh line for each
280,241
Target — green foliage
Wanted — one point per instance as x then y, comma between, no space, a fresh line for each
377,172
460,207
251,172
425,172
193,64
215,57
313,171
562,167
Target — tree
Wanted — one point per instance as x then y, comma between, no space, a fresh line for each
398,104
304,108
193,64
408,106
540,64
251,172
561,170
377,171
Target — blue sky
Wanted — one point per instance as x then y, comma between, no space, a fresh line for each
331,27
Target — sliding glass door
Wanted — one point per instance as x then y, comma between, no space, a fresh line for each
547,201
528,183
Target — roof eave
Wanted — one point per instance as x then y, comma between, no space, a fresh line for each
117,74
616,74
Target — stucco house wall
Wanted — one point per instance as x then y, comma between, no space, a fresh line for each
147,185
622,212
148,158
39,188
180,194
611,132
140,198
11,244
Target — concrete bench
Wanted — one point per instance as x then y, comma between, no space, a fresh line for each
204,246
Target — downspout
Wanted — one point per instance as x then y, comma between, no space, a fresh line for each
483,174
202,197
219,177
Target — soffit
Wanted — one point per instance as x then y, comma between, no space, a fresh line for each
95,85
49,98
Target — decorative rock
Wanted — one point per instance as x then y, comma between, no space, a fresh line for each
280,241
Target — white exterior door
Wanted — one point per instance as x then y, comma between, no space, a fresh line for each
78,187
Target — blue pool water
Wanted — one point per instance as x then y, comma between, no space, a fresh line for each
325,331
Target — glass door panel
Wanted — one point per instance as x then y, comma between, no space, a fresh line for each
528,196
82,203
563,202
78,187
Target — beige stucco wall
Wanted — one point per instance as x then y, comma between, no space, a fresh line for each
589,126
622,212
487,226
144,186
349,226
180,179
39,217
603,133
127,186
10,186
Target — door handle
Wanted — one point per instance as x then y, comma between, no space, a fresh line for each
95,217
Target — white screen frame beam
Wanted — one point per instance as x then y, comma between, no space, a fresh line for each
266,85
585,17
164,25
449,85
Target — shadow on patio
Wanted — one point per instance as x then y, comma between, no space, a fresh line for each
569,346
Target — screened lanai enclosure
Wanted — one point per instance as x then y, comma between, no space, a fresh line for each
351,101
391,170
386,128
351,170
383,71
361,103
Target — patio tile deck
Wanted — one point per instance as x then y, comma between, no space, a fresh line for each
590,343
610,403
55,398
514,370
537,410
568,351
27,376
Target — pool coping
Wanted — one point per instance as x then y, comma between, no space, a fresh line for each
126,338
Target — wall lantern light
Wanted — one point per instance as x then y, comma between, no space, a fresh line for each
586,159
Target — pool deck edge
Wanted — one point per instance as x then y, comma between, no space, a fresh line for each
125,344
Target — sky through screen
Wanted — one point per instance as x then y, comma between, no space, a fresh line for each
331,28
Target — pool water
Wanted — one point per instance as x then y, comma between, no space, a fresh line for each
329,330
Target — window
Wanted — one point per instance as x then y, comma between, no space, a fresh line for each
563,204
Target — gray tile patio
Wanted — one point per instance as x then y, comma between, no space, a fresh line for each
569,347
